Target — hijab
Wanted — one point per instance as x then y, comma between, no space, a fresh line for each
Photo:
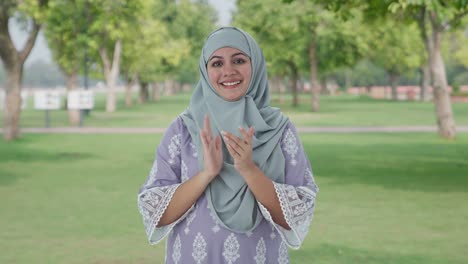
229,198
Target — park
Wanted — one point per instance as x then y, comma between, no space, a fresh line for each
391,164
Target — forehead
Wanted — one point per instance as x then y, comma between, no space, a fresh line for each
227,52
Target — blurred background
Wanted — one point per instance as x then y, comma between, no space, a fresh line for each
377,89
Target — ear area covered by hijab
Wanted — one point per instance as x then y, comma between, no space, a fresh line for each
228,195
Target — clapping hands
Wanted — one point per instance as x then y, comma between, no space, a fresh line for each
240,148
212,151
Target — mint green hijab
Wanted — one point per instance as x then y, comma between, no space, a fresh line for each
228,195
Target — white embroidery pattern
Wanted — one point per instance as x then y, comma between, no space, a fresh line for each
199,248
152,174
283,254
216,227
261,252
176,249
297,205
231,249
184,171
152,203
194,149
273,232
190,218
290,146
174,147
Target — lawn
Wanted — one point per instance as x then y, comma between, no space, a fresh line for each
343,110
384,198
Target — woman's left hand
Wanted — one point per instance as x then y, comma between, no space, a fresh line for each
240,148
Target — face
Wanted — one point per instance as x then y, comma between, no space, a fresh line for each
229,71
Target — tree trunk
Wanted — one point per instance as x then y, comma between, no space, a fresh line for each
169,87
428,44
394,84
314,84
348,79
111,72
12,109
443,105
144,93
156,91
282,89
129,90
72,84
13,61
323,86
293,83
425,82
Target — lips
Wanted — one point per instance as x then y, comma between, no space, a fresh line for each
231,84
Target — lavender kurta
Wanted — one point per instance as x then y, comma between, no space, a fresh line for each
197,237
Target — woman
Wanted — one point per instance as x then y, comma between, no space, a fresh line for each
231,182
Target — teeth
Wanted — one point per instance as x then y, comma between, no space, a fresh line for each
231,83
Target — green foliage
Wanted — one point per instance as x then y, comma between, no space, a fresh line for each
189,23
395,46
276,27
285,32
67,33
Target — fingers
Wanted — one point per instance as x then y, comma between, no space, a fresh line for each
247,135
218,143
233,151
251,132
207,127
234,141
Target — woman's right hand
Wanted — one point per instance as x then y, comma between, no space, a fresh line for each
212,151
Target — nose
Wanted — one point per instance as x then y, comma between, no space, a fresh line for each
228,69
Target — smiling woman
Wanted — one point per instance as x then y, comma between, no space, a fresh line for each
229,71
231,182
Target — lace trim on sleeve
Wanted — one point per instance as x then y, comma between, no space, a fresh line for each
152,204
297,204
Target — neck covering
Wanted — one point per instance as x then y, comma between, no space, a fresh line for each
229,198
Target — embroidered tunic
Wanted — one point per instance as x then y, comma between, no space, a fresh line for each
197,237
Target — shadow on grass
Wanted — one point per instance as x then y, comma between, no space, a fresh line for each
19,154
327,253
419,167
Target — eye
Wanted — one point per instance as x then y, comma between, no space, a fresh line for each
216,64
239,61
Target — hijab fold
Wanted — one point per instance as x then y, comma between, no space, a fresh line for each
229,198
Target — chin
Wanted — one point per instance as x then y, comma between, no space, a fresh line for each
232,97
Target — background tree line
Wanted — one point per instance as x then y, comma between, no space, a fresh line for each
146,43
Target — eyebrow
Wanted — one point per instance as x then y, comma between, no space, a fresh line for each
233,55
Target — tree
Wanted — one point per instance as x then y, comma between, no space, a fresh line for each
301,35
31,12
276,28
395,47
66,32
442,16
434,17
110,22
188,22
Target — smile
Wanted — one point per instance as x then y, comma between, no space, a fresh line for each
230,83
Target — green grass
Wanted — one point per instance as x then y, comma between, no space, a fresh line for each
343,110
384,198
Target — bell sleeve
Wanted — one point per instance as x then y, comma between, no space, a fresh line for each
297,195
163,180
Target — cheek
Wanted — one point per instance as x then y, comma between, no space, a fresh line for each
248,76
213,76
